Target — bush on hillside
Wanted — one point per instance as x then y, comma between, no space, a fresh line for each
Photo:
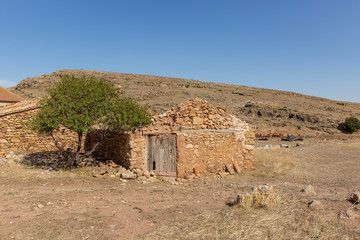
352,124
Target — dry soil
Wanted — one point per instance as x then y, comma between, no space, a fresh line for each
43,204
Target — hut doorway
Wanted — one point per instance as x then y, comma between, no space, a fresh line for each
162,154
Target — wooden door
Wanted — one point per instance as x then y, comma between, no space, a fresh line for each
162,153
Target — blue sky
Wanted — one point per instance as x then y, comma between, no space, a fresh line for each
306,46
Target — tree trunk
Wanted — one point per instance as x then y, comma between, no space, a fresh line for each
58,146
103,136
77,159
80,135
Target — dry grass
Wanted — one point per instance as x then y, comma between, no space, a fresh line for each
290,220
14,169
275,162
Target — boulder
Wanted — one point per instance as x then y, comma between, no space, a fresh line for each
230,169
236,166
315,205
128,175
355,196
249,147
196,171
244,201
348,214
223,174
309,190
146,174
262,196
139,173
40,205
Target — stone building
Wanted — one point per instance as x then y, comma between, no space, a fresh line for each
7,97
192,137
15,135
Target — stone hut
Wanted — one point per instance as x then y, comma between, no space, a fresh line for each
16,137
192,137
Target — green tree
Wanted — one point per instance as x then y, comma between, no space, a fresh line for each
352,124
84,105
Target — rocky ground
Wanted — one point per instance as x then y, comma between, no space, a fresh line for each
278,111
40,203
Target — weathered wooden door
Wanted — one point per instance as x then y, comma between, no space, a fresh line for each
162,153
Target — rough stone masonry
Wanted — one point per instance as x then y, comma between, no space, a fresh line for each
207,139
16,137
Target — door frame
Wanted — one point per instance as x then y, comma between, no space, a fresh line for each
148,164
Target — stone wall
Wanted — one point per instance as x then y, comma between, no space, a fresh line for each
138,143
14,135
210,151
115,147
126,149
195,114
207,138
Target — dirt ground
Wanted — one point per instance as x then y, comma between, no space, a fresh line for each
42,204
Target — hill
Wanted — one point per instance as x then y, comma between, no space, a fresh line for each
279,111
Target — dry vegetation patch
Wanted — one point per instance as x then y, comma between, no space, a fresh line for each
275,162
290,220
328,167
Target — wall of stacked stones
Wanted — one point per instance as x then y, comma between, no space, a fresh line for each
14,135
207,138
249,150
210,151
115,147
138,144
195,114
126,149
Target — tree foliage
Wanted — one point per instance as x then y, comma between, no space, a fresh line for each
352,124
85,104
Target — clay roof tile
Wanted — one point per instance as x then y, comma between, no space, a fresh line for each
7,96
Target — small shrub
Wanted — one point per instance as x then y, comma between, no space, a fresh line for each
352,124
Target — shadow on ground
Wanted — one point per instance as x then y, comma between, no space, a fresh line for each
342,127
47,160
55,161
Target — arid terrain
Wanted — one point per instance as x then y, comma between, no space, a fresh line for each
44,204
38,202
279,111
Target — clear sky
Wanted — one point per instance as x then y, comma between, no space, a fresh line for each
306,46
